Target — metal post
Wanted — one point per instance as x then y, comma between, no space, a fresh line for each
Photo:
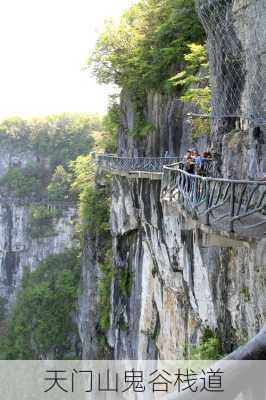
207,202
232,206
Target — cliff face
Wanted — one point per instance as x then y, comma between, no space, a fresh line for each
20,246
170,132
184,277
236,44
88,319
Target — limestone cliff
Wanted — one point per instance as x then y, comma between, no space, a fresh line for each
186,278
20,246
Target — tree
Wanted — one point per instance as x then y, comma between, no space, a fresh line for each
140,52
59,186
45,304
195,78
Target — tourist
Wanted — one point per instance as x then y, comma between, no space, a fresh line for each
187,156
190,165
198,160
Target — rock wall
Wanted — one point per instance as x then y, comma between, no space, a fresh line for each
171,127
181,282
185,278
88,318
236,47
18,247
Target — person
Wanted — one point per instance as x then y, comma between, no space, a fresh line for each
207,154
190,165
183,163
198,163
187,156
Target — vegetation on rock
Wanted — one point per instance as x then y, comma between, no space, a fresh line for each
42,321
143,51
209,348
25,181
41,220
149,41
53,142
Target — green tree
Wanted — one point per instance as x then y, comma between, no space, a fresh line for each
25,181
195,78
41,323
111,124
210,347
59,186
55,141
94,202
140,52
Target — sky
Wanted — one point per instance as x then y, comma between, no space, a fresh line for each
43,46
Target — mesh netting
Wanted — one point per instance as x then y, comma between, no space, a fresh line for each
237,54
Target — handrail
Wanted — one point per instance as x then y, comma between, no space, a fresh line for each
231,204
115,163
228,204
210,178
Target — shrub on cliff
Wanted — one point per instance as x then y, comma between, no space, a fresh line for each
42,322
140,52
53,142
94,201
22,182
59,186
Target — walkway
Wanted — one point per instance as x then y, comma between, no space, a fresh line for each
227,205
137,167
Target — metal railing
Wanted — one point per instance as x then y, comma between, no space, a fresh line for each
234,205
231,205
113,163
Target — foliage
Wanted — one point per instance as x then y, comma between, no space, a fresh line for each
245,294
201,126
105,294
63,137
94,210
141,127
42,213
24,181
150,39
195,78
55,141
83,169
125,282
111,125
94,202
210,347
41,323
2,308
94,207
59,186
60,137
41,220
14,131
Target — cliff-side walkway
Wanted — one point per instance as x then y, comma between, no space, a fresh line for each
135,167
235,206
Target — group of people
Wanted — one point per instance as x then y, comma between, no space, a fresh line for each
195,163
